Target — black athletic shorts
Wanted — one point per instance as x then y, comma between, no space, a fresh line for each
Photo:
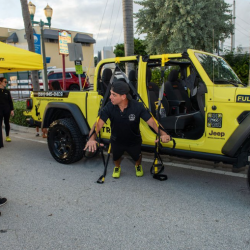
118,150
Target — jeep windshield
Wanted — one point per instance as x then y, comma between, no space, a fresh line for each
218,69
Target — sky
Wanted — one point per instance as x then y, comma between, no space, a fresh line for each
103,19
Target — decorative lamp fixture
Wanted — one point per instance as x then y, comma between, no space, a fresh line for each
32,10
48,11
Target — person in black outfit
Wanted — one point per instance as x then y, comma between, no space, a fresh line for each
6,109
124,114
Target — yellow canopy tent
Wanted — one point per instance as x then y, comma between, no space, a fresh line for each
14,59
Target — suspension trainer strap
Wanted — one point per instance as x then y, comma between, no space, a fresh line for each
102,177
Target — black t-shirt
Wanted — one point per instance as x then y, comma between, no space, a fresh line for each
125,125
5,99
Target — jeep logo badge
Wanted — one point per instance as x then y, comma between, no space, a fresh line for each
243,98
214,133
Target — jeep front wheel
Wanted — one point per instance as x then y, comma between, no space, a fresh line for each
65,141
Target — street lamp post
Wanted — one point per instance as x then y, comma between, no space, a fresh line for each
48,13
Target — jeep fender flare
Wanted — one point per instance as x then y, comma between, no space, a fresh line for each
237,139
73,109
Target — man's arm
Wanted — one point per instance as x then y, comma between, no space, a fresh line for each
91,144
163,135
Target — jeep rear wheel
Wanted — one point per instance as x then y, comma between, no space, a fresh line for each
65,141
74,87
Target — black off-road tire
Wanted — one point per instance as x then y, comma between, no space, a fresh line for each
65,141
74,87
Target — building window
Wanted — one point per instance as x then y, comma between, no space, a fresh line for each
47,40
85,44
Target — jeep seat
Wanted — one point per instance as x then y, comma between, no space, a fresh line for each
175,91
132,77
169,121
106,76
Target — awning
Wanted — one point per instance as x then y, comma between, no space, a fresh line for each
14,59
83,38
50,34
13,38
34,32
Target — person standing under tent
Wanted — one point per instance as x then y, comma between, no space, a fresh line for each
6,109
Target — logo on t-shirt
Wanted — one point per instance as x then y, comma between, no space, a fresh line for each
131,117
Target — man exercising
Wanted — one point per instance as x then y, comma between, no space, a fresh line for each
124,114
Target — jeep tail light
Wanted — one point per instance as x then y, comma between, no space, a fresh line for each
29,103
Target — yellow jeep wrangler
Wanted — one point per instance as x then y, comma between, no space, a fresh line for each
205,108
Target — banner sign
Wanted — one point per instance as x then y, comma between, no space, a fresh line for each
64,38
37,43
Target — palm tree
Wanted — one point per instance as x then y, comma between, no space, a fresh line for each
30,40
127,6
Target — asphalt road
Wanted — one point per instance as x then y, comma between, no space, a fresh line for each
55,206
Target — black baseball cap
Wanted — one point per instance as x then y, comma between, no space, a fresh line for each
121,88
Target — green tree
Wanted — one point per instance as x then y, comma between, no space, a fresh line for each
173,26
239,63
139,48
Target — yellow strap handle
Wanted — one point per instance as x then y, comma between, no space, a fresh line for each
117,60
156,168
164,59
109,150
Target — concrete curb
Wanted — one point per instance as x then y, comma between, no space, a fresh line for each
16,127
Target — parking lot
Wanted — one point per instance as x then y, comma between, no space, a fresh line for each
55,206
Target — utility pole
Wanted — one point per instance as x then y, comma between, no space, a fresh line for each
233,34
30,41
127,6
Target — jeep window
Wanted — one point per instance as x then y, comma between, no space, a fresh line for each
217,69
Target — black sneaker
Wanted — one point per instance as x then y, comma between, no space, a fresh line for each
2,201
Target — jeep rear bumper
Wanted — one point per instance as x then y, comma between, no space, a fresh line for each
33,123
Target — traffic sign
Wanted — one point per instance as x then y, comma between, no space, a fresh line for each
78,67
